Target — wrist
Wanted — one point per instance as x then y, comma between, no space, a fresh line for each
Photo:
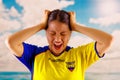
75,27
41,26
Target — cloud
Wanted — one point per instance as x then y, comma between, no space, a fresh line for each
115,47
3,48
6,23
107,20
8,62
113,51
1,6
13,12
4,51
116,35
38,40
34,10
41,4
11,19
78,40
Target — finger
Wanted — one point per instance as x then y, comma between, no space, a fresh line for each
47,12
71,13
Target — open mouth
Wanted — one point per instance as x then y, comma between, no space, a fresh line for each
57,47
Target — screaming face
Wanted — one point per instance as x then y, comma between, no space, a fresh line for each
58,35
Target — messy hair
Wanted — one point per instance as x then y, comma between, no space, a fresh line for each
59,15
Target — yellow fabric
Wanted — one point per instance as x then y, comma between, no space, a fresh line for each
49,67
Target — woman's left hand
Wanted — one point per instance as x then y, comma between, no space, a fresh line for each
72,20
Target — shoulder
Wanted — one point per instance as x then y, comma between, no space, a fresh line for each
84,48
30,48
90,45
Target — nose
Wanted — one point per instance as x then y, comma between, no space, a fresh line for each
58,39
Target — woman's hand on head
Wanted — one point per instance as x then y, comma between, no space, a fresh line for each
73,20
45,19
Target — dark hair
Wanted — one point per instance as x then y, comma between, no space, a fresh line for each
59,15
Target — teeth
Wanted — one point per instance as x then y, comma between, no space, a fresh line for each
58,46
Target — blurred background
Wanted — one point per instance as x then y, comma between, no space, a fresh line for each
16,15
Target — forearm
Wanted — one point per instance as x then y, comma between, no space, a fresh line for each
21,36
103,39
95,34
14,42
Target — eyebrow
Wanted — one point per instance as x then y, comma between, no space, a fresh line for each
55,31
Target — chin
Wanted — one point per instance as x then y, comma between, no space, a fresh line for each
57,52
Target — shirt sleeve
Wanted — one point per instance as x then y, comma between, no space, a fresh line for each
88,54
29,53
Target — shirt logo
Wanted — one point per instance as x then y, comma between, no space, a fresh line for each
70,65
56,60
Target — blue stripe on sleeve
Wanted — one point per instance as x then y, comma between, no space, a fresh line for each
97,51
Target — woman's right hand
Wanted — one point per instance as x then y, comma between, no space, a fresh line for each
43,23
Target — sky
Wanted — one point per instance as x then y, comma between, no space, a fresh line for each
16,15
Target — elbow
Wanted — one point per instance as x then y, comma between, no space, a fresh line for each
9,42
103,47
109,41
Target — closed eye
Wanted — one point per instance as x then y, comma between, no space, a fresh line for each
63,34
52,33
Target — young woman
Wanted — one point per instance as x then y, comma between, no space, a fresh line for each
57,61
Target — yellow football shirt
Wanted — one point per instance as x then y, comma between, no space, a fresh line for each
70,65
